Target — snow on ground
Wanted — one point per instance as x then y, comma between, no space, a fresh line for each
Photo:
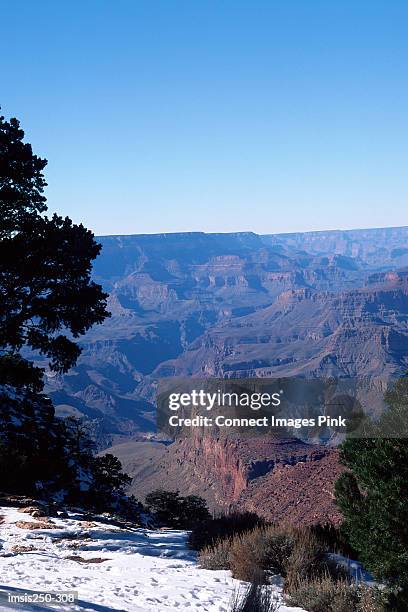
142,571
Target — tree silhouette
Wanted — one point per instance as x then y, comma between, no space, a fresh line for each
47,300
47,297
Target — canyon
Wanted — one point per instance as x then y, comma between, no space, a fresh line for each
318,304
236,305
280,479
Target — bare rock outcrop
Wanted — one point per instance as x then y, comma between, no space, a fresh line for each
277,478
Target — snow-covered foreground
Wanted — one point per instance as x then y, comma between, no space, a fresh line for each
141,571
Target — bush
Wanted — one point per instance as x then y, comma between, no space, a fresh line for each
307,559
323,594
256,598
194,511
172,510
311,580
294,553
226,526
216,556
263,548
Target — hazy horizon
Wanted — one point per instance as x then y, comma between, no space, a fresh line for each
171,117
338,229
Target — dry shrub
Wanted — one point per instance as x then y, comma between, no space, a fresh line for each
265,549
216,556
312,581
308,559
324,594
293,552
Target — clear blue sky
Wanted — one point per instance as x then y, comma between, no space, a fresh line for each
169,115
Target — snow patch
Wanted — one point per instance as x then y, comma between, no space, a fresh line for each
142,570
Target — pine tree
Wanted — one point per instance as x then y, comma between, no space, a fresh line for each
47,301
46,289
373,493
